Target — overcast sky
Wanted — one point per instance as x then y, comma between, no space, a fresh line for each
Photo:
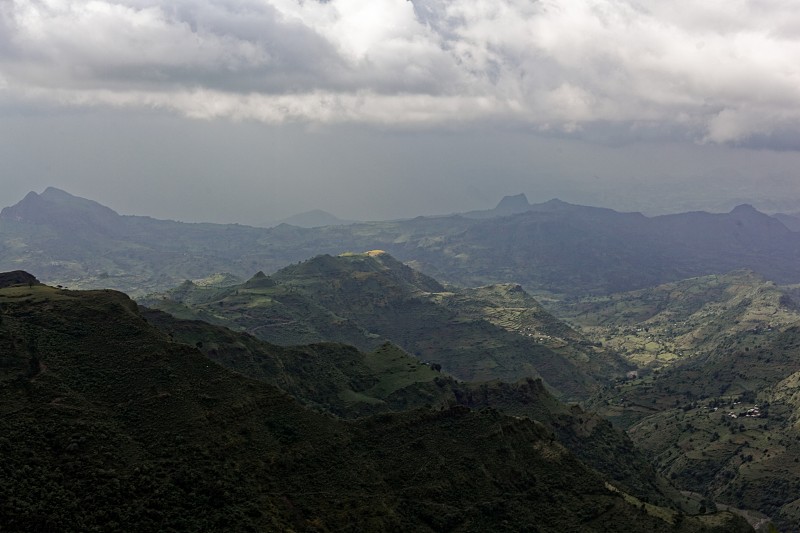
252,110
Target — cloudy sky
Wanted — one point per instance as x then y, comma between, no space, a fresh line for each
252,110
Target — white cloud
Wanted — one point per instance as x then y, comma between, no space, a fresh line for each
721,71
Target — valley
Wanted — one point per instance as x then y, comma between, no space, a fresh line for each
394,266
670,377
712,401
99,406
497,332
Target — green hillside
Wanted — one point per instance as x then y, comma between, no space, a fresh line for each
107,424
497,332
698,338
662,325
726,424
343,381
714,401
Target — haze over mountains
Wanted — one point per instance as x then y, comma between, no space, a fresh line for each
313,219
791,221
454,327
552,247
620,354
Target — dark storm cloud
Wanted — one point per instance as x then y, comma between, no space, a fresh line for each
231,46
712,72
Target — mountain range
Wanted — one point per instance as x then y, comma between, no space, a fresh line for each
554,247
228,402
348,383
697,344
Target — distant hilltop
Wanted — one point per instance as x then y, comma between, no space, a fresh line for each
17,277
514,204
59,208
314,219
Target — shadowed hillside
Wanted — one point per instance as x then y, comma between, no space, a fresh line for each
496,332
108,424
341,380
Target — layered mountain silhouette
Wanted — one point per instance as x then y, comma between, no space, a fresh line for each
508,205
552,247
57,208
314,219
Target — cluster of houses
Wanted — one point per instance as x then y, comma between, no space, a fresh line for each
753,412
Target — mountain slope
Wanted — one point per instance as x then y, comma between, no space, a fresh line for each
668,323
367,299
107,424
791,221
715,404
77,242
508,205
341,380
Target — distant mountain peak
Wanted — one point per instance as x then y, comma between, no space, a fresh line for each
744,208
22,210
54,192
556,202
259,280
351,265
314,219
556,205
516,203
62,210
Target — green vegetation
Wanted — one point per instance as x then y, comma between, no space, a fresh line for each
341,380
496,332
718,418
700,343
108,424
658,326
